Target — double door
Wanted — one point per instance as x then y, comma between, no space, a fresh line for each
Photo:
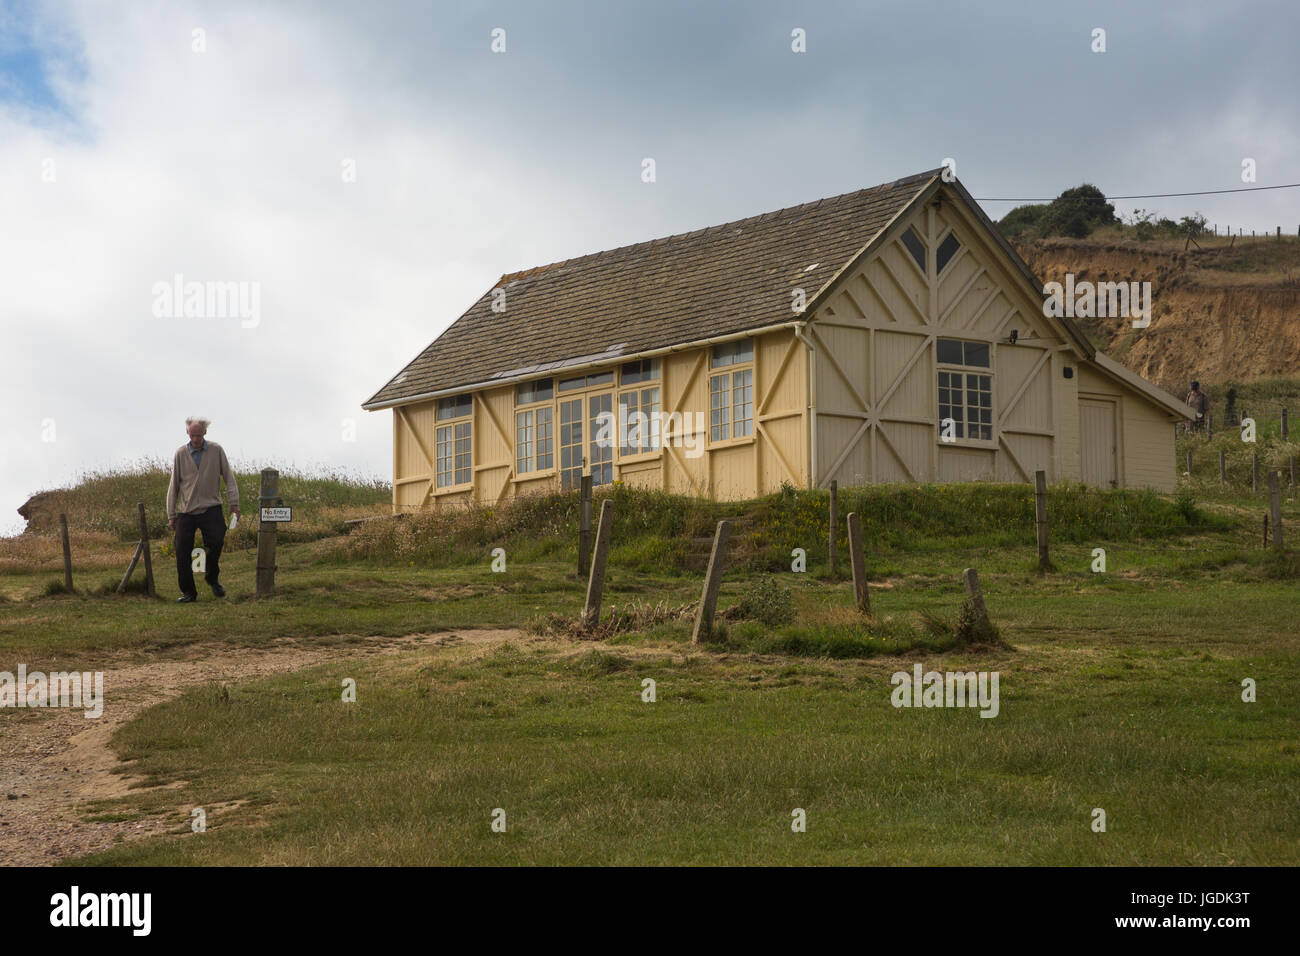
588,433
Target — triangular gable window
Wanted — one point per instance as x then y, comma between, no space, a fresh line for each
915,246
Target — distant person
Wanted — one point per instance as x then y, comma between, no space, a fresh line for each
1200,402
194,503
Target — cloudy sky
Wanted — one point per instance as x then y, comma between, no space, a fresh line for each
133,150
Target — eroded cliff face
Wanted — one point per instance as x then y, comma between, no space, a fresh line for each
1218,313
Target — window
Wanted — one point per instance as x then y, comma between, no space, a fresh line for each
455,442
957,352
455,454
915,246
601,427
534,440
943,255
540,391
571,456
458,406
586,381
647,370
731,405
965,397
733,353
638,412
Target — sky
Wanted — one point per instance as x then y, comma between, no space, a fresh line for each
364,172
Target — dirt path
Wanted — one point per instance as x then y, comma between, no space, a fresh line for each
54,761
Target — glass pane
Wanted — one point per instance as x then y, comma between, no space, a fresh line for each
947,249
914,245
977,354
950,352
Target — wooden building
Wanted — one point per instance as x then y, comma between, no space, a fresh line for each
886,335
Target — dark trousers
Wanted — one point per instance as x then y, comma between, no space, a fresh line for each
213,525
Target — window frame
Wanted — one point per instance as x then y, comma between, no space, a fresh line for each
453,426
965,440
535,469
641,454
729,373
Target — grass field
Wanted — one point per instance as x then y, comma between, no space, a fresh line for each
1119,691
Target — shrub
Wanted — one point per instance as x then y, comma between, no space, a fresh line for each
766,601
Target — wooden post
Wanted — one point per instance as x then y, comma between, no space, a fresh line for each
584,526
1275,506
1040,511
267,497
1189,463
131,567
1254,471
835,520
712,583
144,547
67,553
971,579
1284,423
1292,471
858,560
596,583
1265,544
1223,466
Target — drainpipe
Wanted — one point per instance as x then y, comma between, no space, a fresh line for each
812,402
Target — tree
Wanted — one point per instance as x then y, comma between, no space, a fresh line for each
1077,212
1023,220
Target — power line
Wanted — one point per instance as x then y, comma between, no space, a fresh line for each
1207,192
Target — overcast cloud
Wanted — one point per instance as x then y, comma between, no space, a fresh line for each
225,165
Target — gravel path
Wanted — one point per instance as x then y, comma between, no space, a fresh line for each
54,761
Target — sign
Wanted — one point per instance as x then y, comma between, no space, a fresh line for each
277,514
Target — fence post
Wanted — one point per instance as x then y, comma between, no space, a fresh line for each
144,546
596,583
1254,471
858,560
835,520
584,526
1275,506
1189,464
1040,513
268,496
712,583
971,579
67,553
130,567
1284,423
1223,465
1293,471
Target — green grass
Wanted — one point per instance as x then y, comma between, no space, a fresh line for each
1119,690
588,773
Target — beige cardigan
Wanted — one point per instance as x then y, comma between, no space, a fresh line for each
193,490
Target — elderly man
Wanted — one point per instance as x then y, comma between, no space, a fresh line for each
194,503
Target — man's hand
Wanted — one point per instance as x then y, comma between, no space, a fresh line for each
172,522
235,511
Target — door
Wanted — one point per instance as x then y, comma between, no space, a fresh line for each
1098,450
604,435
571,444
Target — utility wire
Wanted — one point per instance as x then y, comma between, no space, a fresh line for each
1208,192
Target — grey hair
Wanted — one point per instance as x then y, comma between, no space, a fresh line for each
205,422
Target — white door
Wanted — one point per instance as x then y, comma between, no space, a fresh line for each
1098,451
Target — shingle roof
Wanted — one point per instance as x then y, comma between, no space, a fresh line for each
716,281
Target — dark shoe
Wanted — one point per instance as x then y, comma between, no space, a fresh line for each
218,590
187,599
